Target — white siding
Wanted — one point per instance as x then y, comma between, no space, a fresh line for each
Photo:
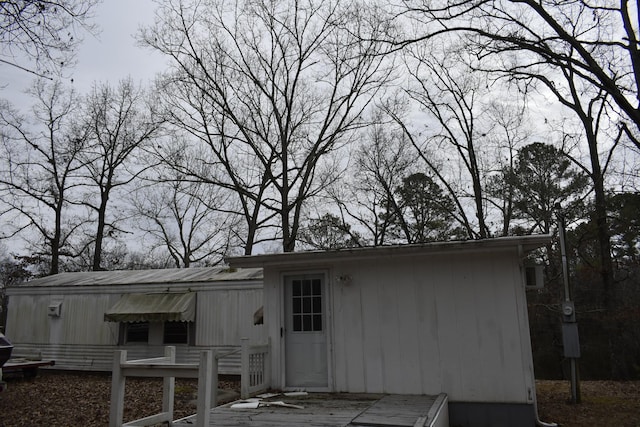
448,323
82,322
226,316
80,338
27,319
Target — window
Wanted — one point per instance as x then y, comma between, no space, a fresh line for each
157,333
178,333
137,332
307,305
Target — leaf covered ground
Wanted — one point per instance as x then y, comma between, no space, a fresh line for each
82,399
73,399
603,403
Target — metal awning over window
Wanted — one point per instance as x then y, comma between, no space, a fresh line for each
172,307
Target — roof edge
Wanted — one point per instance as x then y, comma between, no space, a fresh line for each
527,243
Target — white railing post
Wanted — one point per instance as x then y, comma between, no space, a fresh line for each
214,378
169,383
117,389
244,368
267,364
204,388
255,369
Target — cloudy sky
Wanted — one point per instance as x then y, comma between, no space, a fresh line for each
109,56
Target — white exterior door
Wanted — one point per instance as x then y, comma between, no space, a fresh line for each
306,332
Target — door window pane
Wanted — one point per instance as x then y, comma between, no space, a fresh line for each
307,305
296,286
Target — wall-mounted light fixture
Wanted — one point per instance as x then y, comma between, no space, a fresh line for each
344,279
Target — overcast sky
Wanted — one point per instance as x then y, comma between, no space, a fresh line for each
109,56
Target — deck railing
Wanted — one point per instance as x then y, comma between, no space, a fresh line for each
165,367
255,377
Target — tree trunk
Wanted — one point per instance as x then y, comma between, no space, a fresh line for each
57,238
477,190
604,238
97,250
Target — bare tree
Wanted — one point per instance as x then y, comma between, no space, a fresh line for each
272,87
444,87
366,196
558,70
510,132
584,54
120,121
45,32
189,220
384,196
598,41
213,159
39,170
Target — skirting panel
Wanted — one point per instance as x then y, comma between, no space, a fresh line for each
465,414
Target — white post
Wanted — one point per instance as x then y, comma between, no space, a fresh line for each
214,380
117,389
204,388
267,364
169,383
244,368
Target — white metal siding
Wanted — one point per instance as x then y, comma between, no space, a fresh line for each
82,320
80,338
446,324
27,319
226,316
452,323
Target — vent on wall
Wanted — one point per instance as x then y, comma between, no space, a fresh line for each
54,309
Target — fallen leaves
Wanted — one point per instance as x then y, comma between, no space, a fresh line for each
603,403
62,399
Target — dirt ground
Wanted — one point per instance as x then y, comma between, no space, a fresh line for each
73,399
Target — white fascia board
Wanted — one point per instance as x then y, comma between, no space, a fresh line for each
520,243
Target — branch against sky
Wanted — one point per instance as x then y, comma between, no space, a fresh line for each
39,170
271,88
597,40
445,88
366,195
45,33
187,220
511,130
120,121
585,55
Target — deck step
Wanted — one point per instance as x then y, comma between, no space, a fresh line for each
399,411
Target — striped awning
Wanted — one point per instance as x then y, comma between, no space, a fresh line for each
172,307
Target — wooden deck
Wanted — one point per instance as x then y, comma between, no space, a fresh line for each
333,410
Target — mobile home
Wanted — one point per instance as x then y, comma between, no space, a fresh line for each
79,319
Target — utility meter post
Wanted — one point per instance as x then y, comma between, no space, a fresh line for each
570,338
